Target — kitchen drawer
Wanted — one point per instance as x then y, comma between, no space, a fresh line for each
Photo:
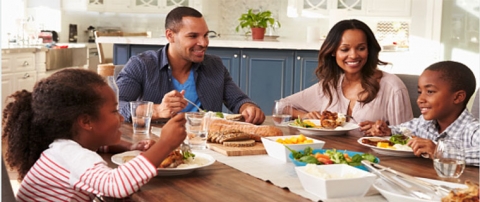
18,62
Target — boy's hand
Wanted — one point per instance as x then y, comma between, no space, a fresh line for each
143,145
422,146
378,128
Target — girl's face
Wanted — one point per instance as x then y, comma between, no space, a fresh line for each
106,127
352,54
435,98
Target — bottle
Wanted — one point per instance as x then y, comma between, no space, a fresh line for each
113,84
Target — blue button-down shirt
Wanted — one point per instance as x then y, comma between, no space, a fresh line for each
148,77
465,130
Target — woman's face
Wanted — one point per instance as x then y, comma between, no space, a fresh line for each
106,126
352,54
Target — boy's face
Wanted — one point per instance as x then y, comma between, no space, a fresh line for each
435,98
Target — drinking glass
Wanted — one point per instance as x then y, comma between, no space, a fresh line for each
197,129
449,158
282,113
141,118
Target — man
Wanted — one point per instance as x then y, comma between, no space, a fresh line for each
181,70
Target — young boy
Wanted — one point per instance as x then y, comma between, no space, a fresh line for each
444,88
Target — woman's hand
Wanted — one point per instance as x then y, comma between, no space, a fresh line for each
143,145
378,128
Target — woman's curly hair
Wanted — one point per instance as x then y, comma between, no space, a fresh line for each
328,71
33,120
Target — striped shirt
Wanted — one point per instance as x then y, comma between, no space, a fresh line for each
465,129
148,77
68,172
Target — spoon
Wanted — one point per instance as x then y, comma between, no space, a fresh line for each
196,106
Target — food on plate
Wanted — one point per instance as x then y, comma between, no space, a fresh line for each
331,156
220,127
299,139
469,194
396,142
328,120
241,143
331,120
127,158
174,159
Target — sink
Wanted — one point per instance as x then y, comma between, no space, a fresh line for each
73,56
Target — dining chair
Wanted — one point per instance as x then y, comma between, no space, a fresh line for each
411,82
117,70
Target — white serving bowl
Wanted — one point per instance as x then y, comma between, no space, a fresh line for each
356,186
280,152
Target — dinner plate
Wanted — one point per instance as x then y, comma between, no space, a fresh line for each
386,151
209,160
322,151
322,131
394,194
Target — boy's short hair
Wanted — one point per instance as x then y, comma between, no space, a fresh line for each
458,75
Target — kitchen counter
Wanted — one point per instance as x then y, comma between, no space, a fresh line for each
233,41
14,48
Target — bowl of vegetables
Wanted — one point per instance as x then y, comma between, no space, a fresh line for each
330,156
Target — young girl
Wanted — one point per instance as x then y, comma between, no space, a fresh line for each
53,134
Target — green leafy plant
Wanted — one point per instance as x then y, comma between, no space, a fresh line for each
262,19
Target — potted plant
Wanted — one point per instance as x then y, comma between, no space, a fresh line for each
257,22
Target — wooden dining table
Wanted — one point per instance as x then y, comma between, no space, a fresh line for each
220,182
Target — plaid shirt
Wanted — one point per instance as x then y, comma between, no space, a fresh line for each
465,129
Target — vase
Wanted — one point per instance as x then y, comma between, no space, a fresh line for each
258,33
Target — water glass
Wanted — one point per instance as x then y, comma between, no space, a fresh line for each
282,113
449,158
197,129
141,112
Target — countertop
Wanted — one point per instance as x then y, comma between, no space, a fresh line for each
233,41
15,48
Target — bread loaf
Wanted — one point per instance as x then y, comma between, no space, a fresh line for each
255,131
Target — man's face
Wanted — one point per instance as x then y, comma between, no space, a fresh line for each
191,40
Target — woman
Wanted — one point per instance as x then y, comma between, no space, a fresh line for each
350,82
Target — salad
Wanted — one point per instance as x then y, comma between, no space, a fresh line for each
331,156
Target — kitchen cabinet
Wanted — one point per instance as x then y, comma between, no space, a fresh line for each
140,6
263,74
18,72
360,8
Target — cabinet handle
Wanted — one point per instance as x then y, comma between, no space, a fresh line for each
244,56
26,75
235,55
298,58
25,63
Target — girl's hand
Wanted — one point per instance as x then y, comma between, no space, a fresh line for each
143,145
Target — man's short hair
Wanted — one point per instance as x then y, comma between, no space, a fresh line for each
458,75
174,17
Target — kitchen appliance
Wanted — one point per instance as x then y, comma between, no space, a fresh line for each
91,34
48,36
72,33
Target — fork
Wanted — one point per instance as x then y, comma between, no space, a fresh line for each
351,117
185,148
196,106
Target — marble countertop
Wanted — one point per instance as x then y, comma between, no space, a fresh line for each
15,48
224,41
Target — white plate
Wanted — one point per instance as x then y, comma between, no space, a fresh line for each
386,151
117,159
394,194
321,131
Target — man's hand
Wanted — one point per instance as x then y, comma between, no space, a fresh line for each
252,114
421,146
378,128
172,103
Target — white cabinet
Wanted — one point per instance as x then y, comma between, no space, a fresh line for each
18,72
390,8
362,8
140,6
